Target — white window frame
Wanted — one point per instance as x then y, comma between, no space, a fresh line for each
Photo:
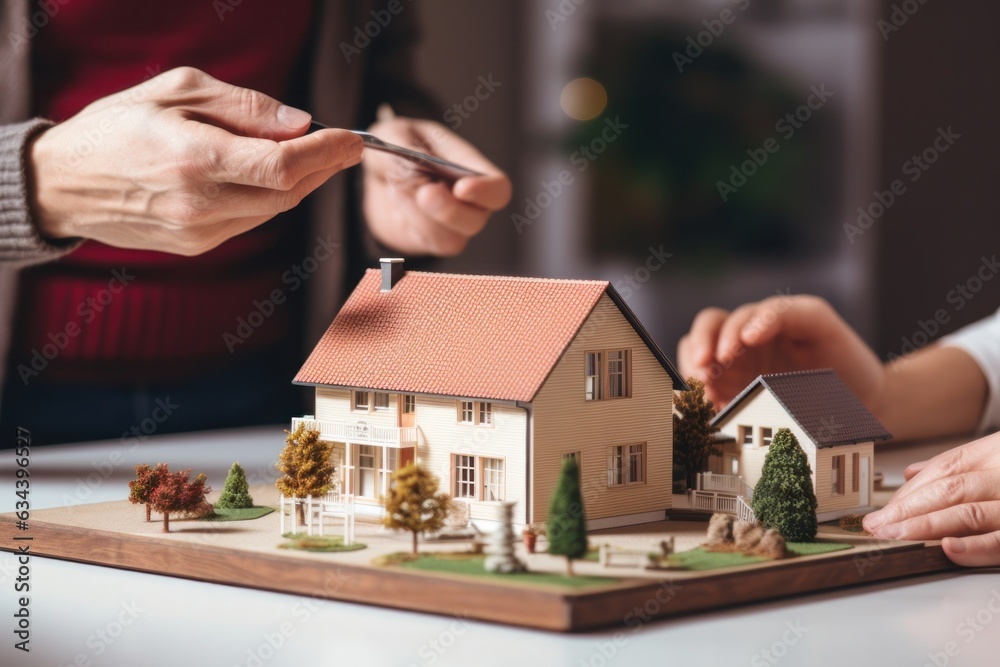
765,440
476,413
465,488
361,401
494,478
378,396
466,412
745,434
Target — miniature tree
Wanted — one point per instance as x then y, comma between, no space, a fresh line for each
307,467
236,491
414,502
784,498
566,525
145,482
693,431
175,493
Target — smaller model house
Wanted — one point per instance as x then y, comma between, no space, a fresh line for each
491,382
832,426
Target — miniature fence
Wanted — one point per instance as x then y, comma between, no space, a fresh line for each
631,555
743,511
333,504
711,501
708,481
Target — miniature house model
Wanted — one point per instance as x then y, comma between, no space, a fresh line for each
832,426
490,382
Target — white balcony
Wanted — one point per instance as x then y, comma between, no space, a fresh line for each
359,432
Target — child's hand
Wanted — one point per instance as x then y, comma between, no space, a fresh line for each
955,496
727,350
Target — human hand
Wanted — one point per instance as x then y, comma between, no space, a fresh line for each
179,163
954,496
412,214
726,351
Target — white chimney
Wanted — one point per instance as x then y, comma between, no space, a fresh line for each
392,271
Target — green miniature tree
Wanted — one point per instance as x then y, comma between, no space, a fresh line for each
693,431
145,482
175,493
414,502
236,491
307,466
784,498
566,525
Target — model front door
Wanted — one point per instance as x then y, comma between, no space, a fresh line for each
407,409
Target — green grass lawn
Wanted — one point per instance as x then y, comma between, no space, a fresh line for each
471,565
698,559
318,543
242,514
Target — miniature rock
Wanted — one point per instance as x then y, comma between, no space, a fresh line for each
500,545
772,545
747,535
720,529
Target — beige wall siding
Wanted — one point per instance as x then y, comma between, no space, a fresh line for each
565,422
762,409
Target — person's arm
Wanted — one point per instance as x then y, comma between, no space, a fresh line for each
20,240
179,163
939,390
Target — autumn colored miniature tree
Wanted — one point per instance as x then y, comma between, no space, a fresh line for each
175,493
414,502
307,466
236,491
783,498
145,482
694,434
566,525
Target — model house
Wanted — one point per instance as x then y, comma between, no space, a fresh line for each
491,382
832,426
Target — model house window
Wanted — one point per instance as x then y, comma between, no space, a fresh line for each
465,477
390,464
745,434
626,465
475,412
855,471
366,471
493,486
607,374
837,476
409,404
361,400
572,455
381,400
766,435
485,414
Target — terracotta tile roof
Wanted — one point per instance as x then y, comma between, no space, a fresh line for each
821,404
456,335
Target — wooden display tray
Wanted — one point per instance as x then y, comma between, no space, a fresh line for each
628,602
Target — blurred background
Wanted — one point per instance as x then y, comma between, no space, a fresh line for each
652,114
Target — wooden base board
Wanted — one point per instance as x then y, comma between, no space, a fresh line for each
630,602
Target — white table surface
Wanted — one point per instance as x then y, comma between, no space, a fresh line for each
88,615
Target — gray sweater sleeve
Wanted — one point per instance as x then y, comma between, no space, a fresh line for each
20,242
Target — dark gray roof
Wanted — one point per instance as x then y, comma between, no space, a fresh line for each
821,404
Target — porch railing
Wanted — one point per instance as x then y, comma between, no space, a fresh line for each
339,430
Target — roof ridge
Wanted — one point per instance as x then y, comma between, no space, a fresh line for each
811,371
519,279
